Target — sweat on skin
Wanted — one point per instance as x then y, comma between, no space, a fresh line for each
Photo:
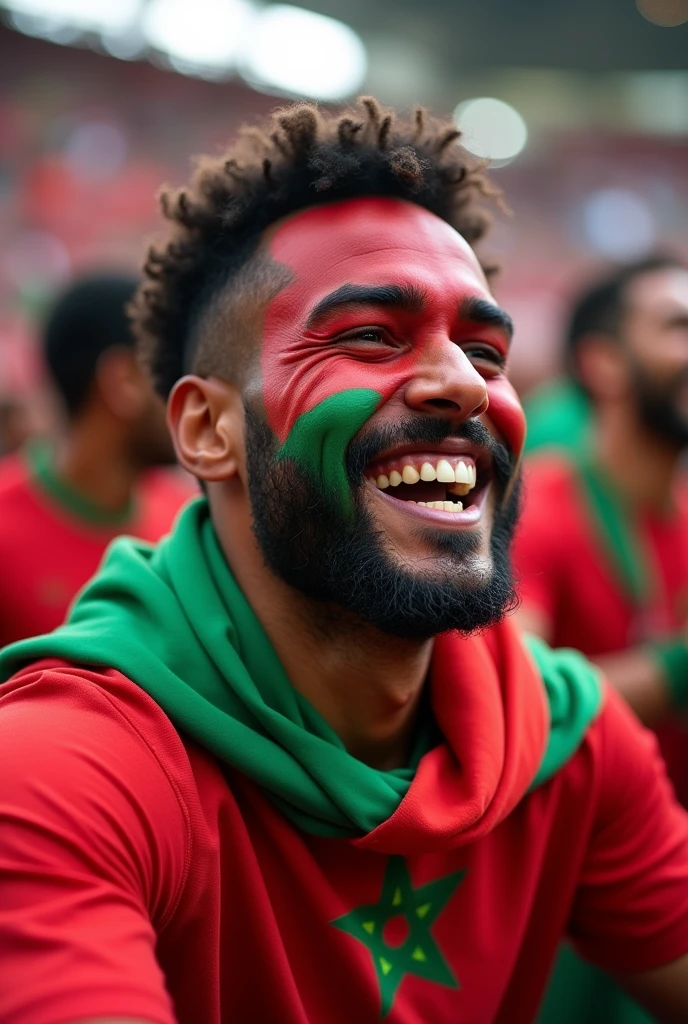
358,325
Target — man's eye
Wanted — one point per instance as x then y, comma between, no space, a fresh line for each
371,335
486,353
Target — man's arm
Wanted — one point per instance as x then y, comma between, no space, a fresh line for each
663,992
92,855
630,913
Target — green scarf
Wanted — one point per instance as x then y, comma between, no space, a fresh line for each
173,619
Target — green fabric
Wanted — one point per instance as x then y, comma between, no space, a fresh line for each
558,415
574,691
673,657
173,619
319,438
579,993
39,457
621,541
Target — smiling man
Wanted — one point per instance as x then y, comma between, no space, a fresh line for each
294,764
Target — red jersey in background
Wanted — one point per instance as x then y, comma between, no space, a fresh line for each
569,570
52,541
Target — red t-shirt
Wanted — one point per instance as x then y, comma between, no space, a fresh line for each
565,571
47,552
139,878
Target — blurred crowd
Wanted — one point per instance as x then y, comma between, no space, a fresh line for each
601,360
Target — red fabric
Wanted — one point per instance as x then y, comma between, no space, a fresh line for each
47,553
496,737
566,572
137,880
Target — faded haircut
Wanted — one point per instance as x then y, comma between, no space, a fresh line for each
301,157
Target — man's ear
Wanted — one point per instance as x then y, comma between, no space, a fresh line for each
122,384
206,420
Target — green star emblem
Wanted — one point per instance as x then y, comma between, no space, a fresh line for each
418,954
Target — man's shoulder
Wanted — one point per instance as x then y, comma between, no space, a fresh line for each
54,707
552,470
15,482
617,760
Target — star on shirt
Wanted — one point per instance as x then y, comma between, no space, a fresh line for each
412,911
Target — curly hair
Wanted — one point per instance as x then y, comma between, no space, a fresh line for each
302,157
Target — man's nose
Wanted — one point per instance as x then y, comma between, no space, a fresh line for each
446,383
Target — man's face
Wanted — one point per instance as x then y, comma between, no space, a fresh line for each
381,459
655,335
151,442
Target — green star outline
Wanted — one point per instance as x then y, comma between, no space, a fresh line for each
419,954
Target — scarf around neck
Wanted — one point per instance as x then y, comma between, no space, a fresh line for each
173,619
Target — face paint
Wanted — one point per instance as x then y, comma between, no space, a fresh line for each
321,382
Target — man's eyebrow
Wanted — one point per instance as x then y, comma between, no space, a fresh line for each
409,298
481,311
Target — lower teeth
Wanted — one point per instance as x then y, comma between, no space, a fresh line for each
442,506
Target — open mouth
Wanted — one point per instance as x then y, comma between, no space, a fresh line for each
434,480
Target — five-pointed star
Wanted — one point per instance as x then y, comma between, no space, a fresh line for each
419,953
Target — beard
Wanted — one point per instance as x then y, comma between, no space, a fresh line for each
660,406
338,560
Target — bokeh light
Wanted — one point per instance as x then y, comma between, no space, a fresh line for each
198,36
296,52
665,13
491,128
619,224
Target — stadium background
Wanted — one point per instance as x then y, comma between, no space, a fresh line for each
94,116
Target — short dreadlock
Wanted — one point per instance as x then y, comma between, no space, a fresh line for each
301,158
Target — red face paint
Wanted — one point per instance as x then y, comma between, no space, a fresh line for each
369,242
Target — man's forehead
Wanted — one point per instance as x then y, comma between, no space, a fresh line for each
371,229
665,286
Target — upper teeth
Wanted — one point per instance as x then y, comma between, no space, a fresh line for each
462,473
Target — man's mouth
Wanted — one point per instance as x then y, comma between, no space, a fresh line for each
443,481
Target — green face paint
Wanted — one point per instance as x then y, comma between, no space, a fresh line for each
319,439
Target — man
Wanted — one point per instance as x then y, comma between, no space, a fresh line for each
602,549
261,785
62,504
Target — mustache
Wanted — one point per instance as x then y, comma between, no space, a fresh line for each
424,430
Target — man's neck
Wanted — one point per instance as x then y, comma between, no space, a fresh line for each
95,468
366,686
641,465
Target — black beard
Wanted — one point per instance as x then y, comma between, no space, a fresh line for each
308,541
659,408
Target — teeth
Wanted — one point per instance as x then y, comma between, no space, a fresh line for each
463,474
410,475
459,488
461,480
445,473
442,506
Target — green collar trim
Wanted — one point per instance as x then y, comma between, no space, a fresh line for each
623,542
574,691
39,458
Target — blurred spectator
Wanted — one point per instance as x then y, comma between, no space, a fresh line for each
558,416
62,502
602,550
15,425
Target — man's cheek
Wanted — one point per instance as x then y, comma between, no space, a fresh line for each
506,412
296,383
319,438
